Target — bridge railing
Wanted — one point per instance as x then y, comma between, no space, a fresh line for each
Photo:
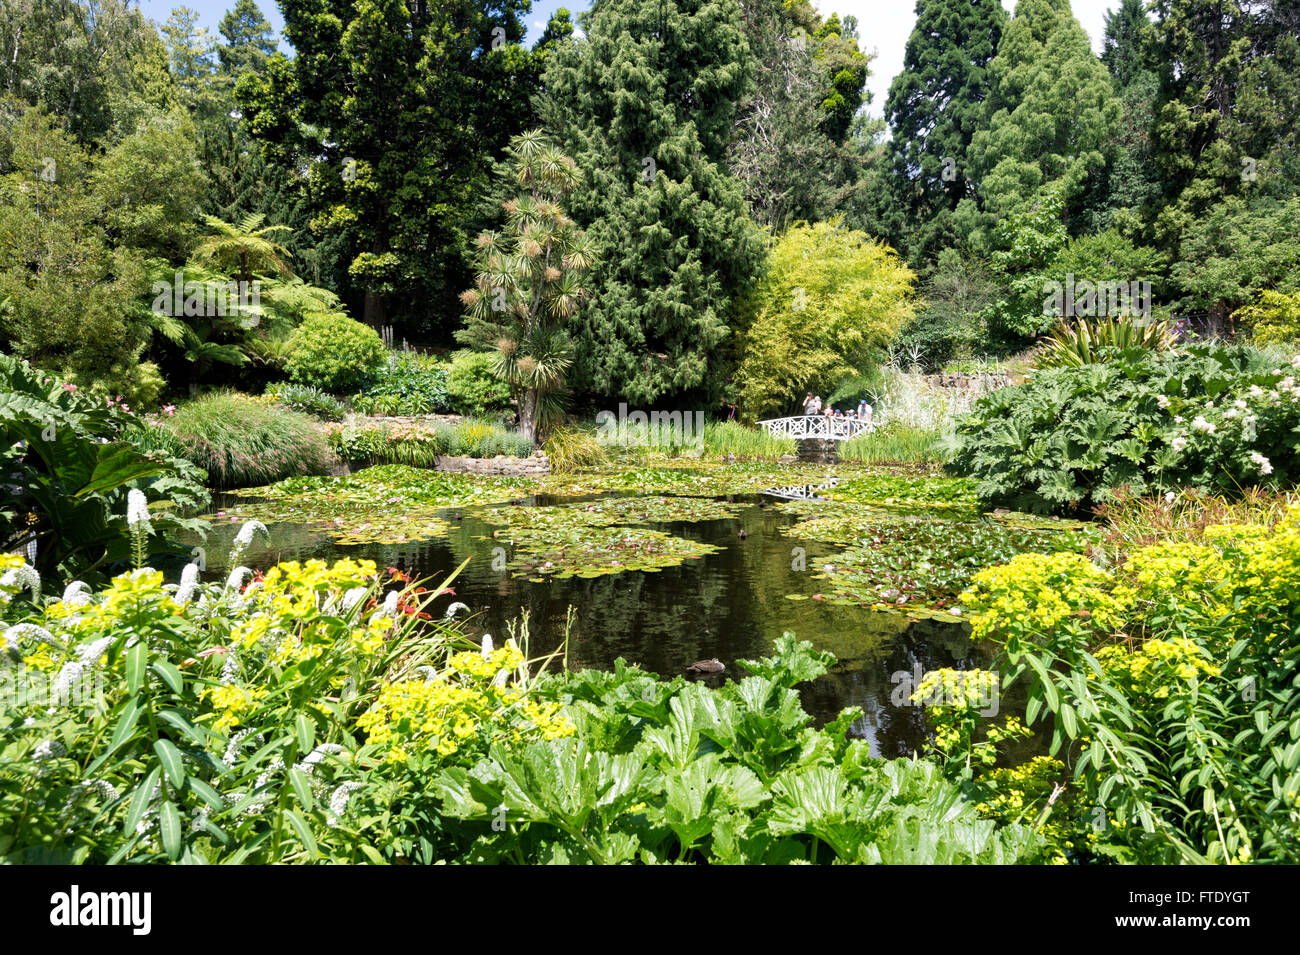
801,427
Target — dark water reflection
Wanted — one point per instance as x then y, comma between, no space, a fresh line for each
728,605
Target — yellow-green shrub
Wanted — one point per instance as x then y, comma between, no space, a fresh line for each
1275,317
1172,681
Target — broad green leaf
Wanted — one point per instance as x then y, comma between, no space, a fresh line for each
302,788
306,730
171,760
170,675
304,832
137,659
140,801
169,824
117,464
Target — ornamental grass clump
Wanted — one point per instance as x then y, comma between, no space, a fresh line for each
894,443
722,438
242,442
570,450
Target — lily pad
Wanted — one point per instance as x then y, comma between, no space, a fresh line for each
610,511
921,567
388,504
914,492
596,551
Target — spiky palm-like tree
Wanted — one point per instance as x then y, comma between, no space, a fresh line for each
243,248
529,282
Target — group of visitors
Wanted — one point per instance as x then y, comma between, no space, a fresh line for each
812,405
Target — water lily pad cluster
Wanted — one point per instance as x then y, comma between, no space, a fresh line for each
387,504
833,522
919,567
614,510
561,553
703,479
911,492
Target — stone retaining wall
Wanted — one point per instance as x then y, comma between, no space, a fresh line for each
819,450
511,467
980,383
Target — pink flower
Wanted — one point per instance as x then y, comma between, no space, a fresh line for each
169,409
69,387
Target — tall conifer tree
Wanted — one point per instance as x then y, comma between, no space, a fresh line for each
1051,119
645,105
934,107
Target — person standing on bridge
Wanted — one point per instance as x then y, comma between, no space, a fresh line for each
864,411
808,403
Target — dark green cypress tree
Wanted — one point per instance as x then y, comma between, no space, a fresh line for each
1225,118
1119,193
1050,120
1224,143
645,105
1126,33
934,108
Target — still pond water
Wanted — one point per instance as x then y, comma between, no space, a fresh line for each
731,605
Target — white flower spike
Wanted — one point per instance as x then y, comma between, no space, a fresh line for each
137,511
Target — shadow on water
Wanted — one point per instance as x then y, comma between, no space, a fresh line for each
729,605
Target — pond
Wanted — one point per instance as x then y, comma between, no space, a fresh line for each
663,580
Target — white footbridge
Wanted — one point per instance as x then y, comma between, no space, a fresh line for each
801,492
801,427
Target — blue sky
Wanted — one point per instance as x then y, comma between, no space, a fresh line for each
883,26
211,11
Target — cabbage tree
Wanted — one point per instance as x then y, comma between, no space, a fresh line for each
529,282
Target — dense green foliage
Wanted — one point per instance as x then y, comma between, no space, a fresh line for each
77,227
1048,119
1274,318
376,102
674,771
69,461
666,222
1184,736
472,388
334,353
703,216
934,108
829,303
409,384
1218,418
309,400
596,767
